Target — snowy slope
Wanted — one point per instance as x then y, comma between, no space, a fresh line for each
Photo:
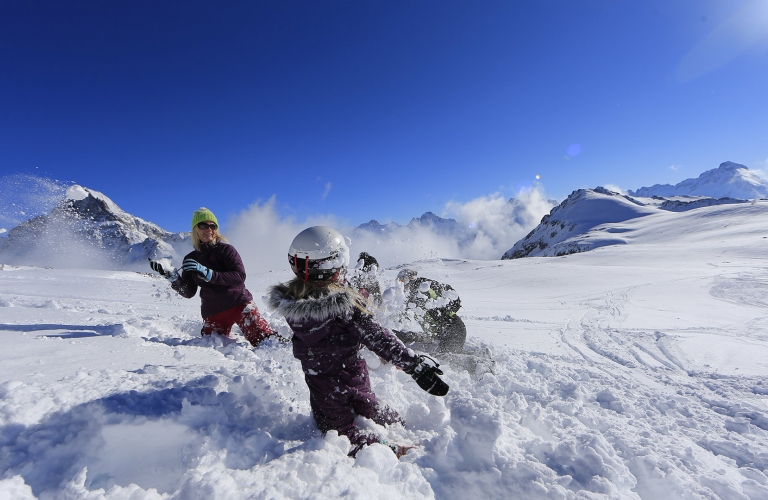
593,218
633,371
729,180
87,229
580,223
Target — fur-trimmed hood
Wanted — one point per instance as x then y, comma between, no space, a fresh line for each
333,304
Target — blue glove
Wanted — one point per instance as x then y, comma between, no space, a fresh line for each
169,274
190,265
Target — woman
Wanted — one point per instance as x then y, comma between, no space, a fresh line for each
216,267
331,323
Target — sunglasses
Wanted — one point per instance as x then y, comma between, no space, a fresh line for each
207,225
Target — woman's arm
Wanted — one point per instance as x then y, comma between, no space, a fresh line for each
185,286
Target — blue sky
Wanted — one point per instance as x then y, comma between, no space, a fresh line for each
376,110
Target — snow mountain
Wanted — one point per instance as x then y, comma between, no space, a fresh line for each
427,220
593,218
730,179
88,230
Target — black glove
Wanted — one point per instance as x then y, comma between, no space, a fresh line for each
171,275
191,265
426,375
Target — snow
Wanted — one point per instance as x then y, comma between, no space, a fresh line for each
594,218
630,371
75,192
730,179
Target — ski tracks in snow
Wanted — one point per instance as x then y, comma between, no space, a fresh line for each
682,432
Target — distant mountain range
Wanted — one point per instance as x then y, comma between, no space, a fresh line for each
87,229
517,214
81,227
589,218
430,220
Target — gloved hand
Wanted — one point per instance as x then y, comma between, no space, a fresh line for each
427,376
190,265
170,274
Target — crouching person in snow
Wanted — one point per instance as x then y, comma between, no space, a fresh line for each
435,306
218,270
330,323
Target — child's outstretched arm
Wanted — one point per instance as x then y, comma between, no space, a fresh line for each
389,348
384,343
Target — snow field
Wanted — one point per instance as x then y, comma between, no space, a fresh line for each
626,372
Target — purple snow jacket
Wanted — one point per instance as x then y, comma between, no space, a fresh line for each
227,286
328,334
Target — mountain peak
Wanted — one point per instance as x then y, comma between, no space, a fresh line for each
101,233
729,180
731,166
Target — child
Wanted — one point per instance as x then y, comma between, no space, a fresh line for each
330,323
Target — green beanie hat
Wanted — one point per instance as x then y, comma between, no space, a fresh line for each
202,214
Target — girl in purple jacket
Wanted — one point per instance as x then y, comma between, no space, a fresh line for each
331,322
217,269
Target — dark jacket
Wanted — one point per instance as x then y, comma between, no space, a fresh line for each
329,332
227,286
439,302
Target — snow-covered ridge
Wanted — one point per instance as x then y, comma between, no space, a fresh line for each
730,179
87,229
593,218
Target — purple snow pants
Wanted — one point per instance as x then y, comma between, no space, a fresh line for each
336,400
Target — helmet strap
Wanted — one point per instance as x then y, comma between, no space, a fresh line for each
305,276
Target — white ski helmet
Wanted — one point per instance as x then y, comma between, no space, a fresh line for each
318,253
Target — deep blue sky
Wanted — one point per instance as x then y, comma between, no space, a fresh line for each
400,106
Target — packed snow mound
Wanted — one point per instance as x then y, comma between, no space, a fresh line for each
87,229
562,231
730,179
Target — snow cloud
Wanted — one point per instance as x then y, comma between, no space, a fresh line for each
614,188
262,236
24,196
485,228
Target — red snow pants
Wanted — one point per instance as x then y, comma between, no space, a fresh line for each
254,327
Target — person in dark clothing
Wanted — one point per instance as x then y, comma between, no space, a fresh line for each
435,305
217,269
364,279
330,323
